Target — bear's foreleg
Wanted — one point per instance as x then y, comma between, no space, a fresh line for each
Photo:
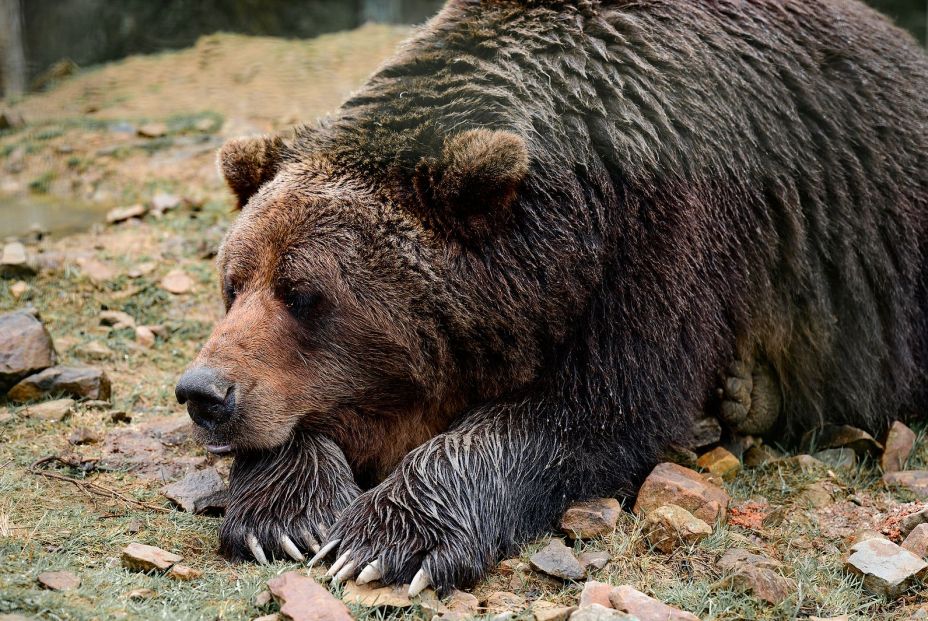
282,503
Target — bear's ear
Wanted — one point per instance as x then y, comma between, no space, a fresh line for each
249,163
472,185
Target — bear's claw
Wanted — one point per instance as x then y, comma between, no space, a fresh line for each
371,573
323,552
420,582
256,550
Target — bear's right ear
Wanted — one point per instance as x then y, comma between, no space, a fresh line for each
249,163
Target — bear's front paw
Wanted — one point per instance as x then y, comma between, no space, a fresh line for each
395,536
283,503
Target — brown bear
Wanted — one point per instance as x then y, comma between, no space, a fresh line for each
504,274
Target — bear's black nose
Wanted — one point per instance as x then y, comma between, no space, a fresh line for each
209,397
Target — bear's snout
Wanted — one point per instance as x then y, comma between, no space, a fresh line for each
210,397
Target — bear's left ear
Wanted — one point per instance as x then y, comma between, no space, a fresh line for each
473,184
249,163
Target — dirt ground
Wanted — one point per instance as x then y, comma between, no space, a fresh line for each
81,152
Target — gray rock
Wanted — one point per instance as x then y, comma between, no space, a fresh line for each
844,436
14,263
597,612
557,560
596,559
25,348
704,432
77,382
199,492
886,568
837,457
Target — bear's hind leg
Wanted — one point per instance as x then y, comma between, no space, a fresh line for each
282,503
750,394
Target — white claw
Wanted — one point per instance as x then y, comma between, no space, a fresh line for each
290,548
310,541
321,554
420,582
345,572
341,560
370,573
256,550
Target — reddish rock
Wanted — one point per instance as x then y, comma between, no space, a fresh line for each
25,348
595,592
372,596
77,382
670,484
844,436
177,282
917,541
51,411
184,573
627,599
670,526
83,435
59,580
915,481
591,518
302,599
900,440
141,557
548,611
720,462
761,582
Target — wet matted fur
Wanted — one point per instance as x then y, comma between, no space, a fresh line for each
524,249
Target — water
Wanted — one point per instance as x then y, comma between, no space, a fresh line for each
21,214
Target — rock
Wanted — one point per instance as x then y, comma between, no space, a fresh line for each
78,382
94,351
14,263
548,611
376,597
25,347
843,436
908,523
816,495
679,454
837,457
199,492
116,319
704,431
144,336
51,411
140,594
734,557
557,560
672,484
803,463
274,616
184,573
627,599
59,580
900,440
162,201
82,435
97,271
669,526
863,535
141,557
916,541
763,583
10,119
595,592
177,282
120,416
503,601
594,558
720,462
302,599
592,518
142,269
19,289
596,612
152,130
121,214
262,599
915,481
460,602
886,568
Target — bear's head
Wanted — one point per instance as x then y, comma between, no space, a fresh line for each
337,308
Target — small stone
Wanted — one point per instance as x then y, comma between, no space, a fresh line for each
14,263
372,596
140,594
59,580
133,527
900,440
704,432
121,214
177,282
816,495
627,599
51,411
97,271
909,522
94,351
142,269
95,404
152,130
144,336
844,436
863,535
595,592
302,599
460,602
162,201
915,481
274,616
591,518
596,612
503,601
25,347
19,289
672,484
837,457
548,611
141,557
680,455
198,492
557,560
594,558
11,119
116,319
763,583
78,382
184,573
917,541
83,435
734,557
886,568
669,526
720,462
510,565
262,599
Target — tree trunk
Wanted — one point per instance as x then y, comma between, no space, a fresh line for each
11,48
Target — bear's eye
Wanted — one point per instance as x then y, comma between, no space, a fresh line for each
230,292
302,305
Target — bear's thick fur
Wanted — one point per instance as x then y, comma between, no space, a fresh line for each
507,272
